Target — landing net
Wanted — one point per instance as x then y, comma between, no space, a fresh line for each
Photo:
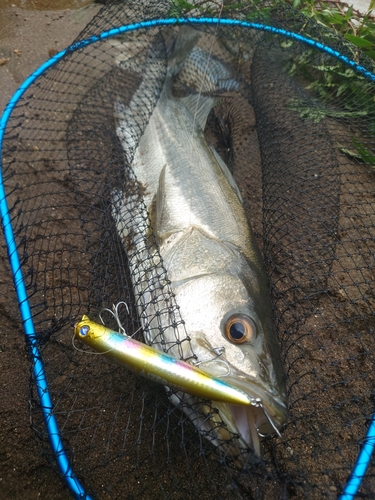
298,135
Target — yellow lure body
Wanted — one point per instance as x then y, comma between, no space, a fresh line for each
156,365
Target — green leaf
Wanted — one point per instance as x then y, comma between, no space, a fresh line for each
370,53
307,111
336,19
311,111
349,13
370,38
286,43
358,41
350,152
182,5
342,88
363,153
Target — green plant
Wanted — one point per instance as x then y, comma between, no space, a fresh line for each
343,20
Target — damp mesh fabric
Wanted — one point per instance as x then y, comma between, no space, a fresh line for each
298,135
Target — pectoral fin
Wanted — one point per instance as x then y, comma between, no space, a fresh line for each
169,208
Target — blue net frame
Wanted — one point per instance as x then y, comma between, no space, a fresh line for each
75,486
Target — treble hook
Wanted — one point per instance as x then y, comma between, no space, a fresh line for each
219,351
115,313
260,404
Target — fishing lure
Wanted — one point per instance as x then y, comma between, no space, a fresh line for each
156,365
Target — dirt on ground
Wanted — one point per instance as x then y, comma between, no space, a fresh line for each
30,33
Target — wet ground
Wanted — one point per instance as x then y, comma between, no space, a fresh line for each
28,37
31,31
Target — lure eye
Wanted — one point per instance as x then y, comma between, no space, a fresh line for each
84,330
239,329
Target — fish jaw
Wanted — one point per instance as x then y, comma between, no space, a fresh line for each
243,422
234,429
271,405
251,423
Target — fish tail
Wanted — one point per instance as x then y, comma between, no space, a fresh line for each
180,48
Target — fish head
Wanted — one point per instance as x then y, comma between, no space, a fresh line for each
228,317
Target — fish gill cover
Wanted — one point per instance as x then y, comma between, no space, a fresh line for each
295,125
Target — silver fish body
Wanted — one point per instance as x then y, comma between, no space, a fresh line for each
213,263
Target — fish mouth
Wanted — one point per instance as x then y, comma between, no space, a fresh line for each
245,420
266,416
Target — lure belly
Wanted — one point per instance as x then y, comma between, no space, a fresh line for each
156,365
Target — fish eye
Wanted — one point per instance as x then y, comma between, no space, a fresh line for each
239,328
84,330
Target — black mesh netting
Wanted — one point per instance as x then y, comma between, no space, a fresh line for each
297,131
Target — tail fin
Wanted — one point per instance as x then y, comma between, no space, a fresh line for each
180,48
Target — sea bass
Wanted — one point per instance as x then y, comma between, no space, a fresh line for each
214,267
